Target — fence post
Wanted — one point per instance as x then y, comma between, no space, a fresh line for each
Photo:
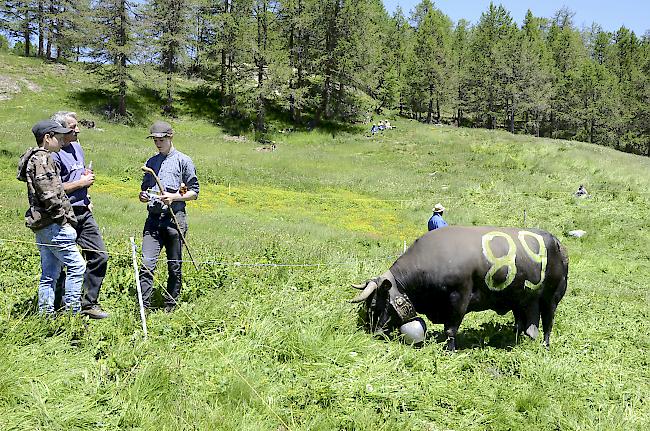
137,285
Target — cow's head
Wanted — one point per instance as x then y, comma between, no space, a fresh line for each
376,314
385,307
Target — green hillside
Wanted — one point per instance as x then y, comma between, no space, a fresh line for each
265,338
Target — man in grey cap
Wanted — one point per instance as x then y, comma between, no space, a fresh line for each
51,218
77,179
177,175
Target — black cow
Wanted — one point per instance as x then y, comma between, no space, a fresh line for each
454,270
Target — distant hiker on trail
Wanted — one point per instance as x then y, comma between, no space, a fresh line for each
77,179
177,175
436,221
581,192
52,219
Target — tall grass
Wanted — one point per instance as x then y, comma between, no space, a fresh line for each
277,347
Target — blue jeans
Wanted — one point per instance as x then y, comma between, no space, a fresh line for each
58,248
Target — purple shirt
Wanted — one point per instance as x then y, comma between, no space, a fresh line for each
70,161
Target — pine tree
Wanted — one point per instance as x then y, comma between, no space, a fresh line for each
459,67
17,18
490,87
296,28
168,29
398,36
112,44
568,53
270,60
534,72
230,35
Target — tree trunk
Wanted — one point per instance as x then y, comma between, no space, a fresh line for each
50,32
491,120
438,116
170,82
41,28
331,40
430,105
292,58
261,62
57,23
26,34
552,121
326,95
121,61
224,53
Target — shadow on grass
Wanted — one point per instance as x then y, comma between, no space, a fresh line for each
497,335
141,104
206,103
201,102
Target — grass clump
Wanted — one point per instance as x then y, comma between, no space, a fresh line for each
274,347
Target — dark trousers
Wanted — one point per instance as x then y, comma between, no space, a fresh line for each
161,231
94,252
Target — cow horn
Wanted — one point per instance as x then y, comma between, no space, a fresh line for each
370,287
360,286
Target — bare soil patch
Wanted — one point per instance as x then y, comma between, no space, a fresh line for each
10,86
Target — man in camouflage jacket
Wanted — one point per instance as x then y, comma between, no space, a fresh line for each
51,218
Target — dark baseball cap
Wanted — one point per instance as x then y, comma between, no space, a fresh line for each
44,127
160,129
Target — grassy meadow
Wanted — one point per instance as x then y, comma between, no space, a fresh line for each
265,338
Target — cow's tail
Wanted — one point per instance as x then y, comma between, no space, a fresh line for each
564,257
563,254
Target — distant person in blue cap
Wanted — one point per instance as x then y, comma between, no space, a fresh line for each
436,221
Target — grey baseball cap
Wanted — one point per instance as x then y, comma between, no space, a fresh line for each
41,128
160,129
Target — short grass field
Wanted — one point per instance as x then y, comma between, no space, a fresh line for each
265,338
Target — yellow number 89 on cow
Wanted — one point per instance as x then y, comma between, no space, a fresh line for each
508,260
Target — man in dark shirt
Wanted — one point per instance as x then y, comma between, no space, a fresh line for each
77,178
177,175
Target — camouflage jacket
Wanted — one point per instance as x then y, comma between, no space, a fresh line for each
48,202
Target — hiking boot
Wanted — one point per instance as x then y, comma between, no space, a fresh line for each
95,312
169,308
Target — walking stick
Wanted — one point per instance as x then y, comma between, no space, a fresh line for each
148,170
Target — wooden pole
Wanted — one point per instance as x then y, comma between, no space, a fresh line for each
137,285
162,190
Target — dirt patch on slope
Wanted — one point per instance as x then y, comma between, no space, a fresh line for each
10,86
